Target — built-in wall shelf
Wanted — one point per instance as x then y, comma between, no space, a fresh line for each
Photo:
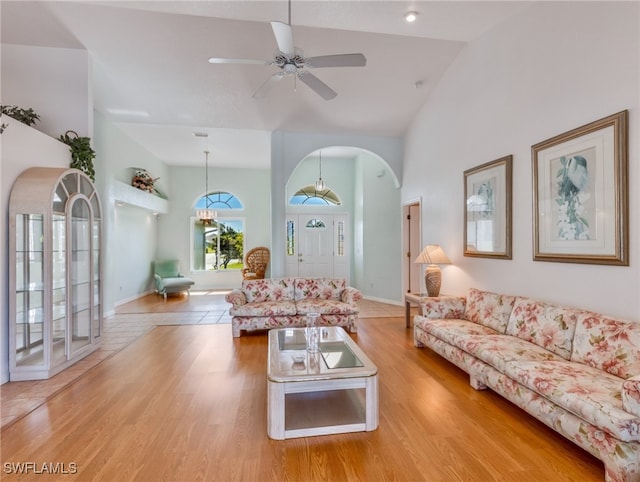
137,197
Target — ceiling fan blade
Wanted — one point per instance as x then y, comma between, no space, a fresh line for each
284,38
341,60
322,89
217,60
265,88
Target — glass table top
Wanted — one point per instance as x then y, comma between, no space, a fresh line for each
339,356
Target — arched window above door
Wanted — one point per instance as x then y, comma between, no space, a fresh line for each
218,200
309,196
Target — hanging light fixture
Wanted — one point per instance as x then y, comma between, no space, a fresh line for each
207,215
320,183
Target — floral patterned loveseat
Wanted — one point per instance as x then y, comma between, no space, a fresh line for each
576,371
282,302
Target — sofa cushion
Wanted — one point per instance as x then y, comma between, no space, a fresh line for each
489,309
176,284
483,342
544,324
264,308
499,350
631,395
319,288
451,307
271,289
451,330
589,393
607,344
324,307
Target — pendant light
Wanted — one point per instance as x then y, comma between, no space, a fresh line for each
207,215
320,183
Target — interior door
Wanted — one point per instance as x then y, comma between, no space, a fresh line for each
413,248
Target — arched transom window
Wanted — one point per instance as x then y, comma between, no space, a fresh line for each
309,195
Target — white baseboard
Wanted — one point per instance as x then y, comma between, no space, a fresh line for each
383,300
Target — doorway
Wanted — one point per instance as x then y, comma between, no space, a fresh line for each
412,246
318,245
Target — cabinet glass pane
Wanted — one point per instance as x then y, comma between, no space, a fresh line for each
85,187
96,250
29,328
29,232
81,259
29,271
70,182
60,199
58,254
29,314
95,206
97,310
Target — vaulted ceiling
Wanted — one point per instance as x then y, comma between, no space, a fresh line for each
152,78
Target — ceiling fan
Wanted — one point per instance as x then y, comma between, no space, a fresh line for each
291,61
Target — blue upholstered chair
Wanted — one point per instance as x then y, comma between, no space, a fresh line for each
168,278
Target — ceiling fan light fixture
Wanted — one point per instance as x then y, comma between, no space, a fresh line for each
411,17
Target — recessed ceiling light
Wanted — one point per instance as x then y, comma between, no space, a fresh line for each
411,17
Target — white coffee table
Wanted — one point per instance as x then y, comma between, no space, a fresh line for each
334,391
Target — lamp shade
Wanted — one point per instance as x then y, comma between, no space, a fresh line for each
432,254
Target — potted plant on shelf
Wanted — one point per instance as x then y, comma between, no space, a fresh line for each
82,155
26,116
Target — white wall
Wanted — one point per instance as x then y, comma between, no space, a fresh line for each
381,232
22,147
55,82
554,67
130,232
186,185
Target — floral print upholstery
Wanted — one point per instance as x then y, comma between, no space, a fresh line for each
329,307
444,307
631,395
260,290
586,392
543,324
285,302
576,371
319,288
489,309
266,308
609,345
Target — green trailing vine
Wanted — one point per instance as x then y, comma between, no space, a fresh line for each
82,155
26,116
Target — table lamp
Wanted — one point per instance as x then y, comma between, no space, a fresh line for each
432,255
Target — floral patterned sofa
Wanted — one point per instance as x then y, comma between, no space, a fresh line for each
281,302
576,371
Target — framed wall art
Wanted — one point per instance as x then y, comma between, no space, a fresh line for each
487,209
580,194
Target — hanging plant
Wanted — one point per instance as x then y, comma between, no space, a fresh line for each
26,116
82,154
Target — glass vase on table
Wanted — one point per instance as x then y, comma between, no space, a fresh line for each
312,332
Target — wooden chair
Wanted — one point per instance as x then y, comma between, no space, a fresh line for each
255,263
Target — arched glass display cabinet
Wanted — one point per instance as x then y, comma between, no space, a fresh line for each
54,272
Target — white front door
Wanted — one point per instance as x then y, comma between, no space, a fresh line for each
317,246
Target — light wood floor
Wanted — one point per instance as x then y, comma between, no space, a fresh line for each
189,403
